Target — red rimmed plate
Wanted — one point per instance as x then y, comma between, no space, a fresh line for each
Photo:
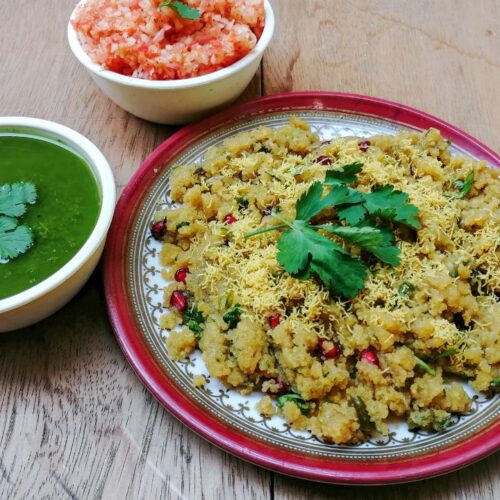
224,417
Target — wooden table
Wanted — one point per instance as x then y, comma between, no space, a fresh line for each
74,419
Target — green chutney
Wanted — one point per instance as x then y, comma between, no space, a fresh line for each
63,216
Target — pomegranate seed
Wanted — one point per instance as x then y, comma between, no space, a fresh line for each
230,219
200,171
158,229
369,355
180,275
363,145
279,387
274,320
329,349
178,300
323,160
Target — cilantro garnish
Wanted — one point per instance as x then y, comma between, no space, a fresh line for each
15,239
193,319
15,197
344,175
465,186
495,384
303,250
376,240
184,11
243,202
233,316
304,408
406,289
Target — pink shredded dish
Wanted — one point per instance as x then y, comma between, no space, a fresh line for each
138,38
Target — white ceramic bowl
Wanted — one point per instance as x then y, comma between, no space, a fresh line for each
177,101
40,301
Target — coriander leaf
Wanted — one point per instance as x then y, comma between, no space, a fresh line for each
495,384
194,327
310,202
406,289
233,316
14,197
352,214
184,11
302,247
375,240
194,320
243,202
344,175
341,272
193,314
294,248
388,203
14,239
465,186
304,408
342,195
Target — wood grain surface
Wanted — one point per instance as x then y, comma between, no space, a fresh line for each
75,422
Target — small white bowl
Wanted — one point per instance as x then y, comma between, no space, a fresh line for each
175,102
40,301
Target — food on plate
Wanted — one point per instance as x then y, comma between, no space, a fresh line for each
168,40
49,204
349,280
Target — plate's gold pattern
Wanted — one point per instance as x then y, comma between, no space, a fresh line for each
237,410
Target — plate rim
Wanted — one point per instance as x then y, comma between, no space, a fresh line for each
152,375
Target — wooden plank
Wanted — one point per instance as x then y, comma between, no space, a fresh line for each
75,421
440,57
478,482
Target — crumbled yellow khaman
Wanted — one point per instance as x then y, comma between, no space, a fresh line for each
440,303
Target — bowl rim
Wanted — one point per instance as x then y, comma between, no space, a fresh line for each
184,83
106,182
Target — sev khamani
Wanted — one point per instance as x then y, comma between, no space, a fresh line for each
337,361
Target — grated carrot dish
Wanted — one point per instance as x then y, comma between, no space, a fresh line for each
143,39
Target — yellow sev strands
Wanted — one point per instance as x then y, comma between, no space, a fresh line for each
457,245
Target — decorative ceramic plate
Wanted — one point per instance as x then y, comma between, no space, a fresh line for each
225,417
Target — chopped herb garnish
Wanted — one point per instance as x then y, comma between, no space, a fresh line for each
406,289
376,240
425,366
15,239
181,224
242,202
304,407
365,423
184,11
465,186
495,384
344,175
15,197
233,316
303,251
194,320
